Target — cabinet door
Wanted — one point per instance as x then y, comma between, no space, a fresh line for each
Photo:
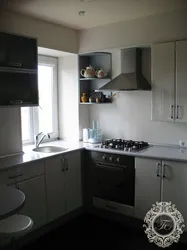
55,186
18,51
181,81
175,186
163,81
35,200
147,185
73,181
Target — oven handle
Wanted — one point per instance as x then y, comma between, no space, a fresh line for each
110,167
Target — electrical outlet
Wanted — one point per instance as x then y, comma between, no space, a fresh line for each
182,144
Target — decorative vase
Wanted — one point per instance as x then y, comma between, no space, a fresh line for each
84,97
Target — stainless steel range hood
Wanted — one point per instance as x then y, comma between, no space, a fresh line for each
131,77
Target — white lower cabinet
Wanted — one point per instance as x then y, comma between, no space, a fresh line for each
55,187
73,181
35,202
63,184
29,178
159,180
175,185
147,185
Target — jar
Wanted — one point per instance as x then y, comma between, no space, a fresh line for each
84,97
98,99
91,99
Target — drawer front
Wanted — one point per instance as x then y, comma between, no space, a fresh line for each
113,206
20,173
7,176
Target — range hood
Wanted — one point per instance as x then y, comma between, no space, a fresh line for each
131,77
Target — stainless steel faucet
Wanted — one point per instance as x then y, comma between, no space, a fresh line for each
38,141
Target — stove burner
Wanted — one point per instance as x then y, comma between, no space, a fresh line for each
126,145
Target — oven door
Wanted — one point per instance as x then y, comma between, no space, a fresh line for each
113,186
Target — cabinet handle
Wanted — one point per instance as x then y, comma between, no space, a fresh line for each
15,64
158,169
164,171
171,112
178,112
63,164
67,167
15,176
111,207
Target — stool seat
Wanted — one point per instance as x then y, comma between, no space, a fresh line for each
15,225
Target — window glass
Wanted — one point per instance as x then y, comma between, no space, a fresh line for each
45,82
43,118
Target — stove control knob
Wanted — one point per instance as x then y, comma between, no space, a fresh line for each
110,158
104,157
118,159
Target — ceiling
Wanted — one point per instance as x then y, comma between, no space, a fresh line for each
98,12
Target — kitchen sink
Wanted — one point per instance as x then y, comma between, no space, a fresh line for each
49,149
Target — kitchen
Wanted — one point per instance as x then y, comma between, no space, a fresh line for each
130,112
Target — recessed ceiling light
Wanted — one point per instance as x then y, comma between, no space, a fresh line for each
87,1
82,13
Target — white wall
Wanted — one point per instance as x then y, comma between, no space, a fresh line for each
129,117
10,131
84,119
142,31
68,97
49,35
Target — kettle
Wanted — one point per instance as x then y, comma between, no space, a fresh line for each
100,73
89,72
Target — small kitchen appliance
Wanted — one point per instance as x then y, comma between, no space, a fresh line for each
95,134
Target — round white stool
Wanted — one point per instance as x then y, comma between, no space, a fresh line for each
15,226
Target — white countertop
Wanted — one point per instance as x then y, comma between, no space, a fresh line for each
157,152
29,155
165,153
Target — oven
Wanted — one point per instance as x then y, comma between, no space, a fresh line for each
113,182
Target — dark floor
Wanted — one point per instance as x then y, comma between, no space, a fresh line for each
90,232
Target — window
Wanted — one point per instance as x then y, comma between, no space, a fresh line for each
43,118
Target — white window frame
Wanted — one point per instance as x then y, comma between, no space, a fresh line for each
34,114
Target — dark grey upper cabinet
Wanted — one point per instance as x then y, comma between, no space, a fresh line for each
18,52
18,71
18,89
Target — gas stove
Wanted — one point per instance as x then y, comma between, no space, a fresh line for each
125,145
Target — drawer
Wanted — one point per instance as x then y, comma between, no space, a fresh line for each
21,172
113,206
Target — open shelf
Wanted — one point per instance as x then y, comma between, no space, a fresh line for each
89,103
94,78
90,85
